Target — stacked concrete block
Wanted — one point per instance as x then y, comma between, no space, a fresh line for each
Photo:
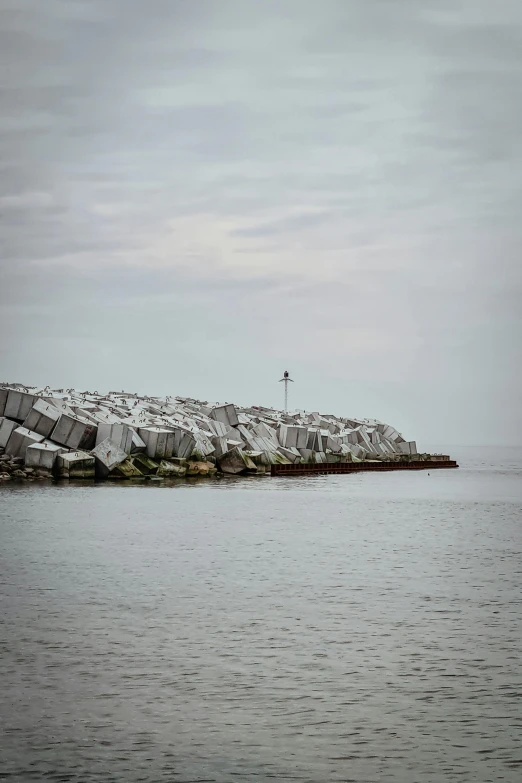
407,447
159,442
43,455
121,434
169,469
235,461
19,441
75,465
146,465
226,414
138,444
3,400
18,404
74,433
6,428
159,428
108,456
42,418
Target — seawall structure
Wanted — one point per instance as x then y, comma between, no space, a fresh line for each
65,433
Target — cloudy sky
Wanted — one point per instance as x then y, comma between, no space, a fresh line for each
196,195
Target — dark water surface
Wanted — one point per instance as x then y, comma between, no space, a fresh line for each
336,628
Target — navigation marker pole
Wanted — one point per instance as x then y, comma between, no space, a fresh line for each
286,380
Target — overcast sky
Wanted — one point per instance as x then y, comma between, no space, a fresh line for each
196,195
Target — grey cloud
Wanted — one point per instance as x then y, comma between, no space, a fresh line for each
347,172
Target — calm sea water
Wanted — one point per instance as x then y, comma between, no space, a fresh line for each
336,628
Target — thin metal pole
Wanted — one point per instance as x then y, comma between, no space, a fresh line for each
286,380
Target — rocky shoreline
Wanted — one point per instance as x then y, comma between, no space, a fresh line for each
69,434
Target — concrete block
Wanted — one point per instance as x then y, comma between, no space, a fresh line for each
18,404
6,428
169,469
125,470
75,465
220,445
42,418
226,414
292,455
73,432
203,447
235,461
19,441
138,444
145,464
159,442
108,456
408,447
218,428
118,433
3,400
43,455
333,444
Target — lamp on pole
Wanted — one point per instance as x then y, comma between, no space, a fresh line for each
286,380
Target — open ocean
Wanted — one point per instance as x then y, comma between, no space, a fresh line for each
328,628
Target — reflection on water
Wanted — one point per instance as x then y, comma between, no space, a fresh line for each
362,628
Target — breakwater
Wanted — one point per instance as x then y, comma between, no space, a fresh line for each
65,433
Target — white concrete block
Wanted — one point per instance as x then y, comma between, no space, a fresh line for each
20,439
227,414
138,444
159,442
43,455
108,456
42,418
75,464
73,432
118,433
18,404
6,428
3,400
